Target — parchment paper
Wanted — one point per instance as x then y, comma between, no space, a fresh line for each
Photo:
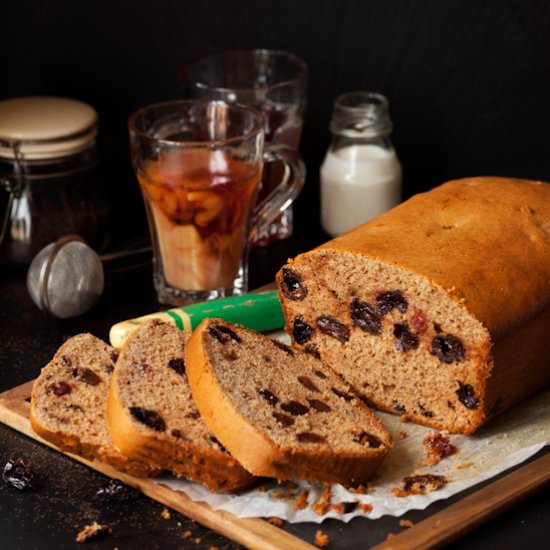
507,441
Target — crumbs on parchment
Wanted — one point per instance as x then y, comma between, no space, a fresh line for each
438,446
301,500
420,484
367,508
322,506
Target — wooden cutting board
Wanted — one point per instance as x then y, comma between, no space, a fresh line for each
257,534
252,533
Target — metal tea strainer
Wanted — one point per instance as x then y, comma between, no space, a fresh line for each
66,278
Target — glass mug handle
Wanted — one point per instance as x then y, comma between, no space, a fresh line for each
286,191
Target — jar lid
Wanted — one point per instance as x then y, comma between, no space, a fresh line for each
45,127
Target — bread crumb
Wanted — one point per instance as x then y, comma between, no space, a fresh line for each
438,446
390,536
359,490
321,539
463,465
428,461
322,506
406,523
213,548
327,492
165,513
403,435
420,484
187,534
301,501
367,508
92,531
197,540
339,508
278,522
280,494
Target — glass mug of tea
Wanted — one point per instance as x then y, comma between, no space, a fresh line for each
199,165
271,81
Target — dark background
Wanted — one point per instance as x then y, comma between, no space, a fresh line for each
469,90
468,81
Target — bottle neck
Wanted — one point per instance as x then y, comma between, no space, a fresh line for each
361,118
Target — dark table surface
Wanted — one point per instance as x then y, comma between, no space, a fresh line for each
50,516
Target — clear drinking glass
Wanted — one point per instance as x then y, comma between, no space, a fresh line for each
271,81
199,165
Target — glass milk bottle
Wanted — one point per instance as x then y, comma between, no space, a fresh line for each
361,175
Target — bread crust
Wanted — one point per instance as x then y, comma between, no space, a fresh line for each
101,453
428,221
255,451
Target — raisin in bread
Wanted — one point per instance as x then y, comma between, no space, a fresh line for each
281,413
152,416
438,309
69,399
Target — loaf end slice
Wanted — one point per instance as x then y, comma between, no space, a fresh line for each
69,399
152,415
281,413
402,342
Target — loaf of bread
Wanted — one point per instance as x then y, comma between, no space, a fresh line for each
437,310
280,412
152,416
69,399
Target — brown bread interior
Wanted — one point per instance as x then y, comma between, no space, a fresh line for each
403,343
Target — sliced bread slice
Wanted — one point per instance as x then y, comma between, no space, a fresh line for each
152,416
281,412
69,399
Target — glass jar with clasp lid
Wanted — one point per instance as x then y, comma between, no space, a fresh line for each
49,178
